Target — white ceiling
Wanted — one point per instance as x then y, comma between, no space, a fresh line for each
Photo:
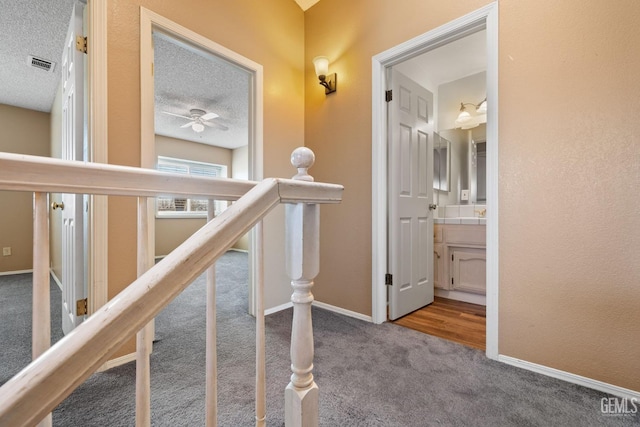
452,61
31,28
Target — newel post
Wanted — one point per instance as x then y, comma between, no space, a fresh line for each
303,259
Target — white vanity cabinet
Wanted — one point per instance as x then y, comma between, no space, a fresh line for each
459,258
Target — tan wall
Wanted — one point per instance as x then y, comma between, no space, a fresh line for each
269,33
55,216
25,132
569,170
171,232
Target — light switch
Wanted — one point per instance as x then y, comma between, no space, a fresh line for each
464,195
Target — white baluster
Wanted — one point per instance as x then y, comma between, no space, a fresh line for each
302,248
144,337
261,373
41,327
211,355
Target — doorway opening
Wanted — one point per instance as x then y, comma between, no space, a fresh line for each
483,24
202,114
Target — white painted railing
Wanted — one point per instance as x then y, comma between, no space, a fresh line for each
32,394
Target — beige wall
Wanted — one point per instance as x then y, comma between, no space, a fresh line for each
25,132
569,155
269,33
55,216
171,232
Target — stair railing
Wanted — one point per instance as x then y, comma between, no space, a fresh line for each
30,396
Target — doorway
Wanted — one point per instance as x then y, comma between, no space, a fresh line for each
214,128
482,19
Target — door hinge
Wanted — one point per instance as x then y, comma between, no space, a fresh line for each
388,95
388,279
81,307
452,280
81,44
451,257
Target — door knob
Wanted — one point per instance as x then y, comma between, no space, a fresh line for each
433,206
56,205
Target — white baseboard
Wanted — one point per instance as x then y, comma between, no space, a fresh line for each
278,308
571,378
9,273
117,362
55,279
343,311
462,296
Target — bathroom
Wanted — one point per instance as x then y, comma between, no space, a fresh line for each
460,190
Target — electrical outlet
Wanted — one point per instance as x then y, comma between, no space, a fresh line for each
464,195
6,251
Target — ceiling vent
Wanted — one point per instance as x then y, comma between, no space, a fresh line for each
41,64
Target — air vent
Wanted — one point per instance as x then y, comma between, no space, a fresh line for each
41,64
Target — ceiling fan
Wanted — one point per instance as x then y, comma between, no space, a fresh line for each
198,119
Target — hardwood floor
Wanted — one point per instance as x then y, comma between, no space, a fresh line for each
457,321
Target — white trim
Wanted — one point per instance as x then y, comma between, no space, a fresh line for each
150,20
343,311
9,273
98,289
55,278
278,308
485,16
462,296
118,361
571,378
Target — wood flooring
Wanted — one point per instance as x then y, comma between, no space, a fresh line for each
457,321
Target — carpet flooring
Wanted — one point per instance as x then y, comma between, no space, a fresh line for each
368,375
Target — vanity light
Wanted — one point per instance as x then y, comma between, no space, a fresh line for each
465,120
329,81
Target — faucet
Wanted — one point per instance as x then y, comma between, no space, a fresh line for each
481,212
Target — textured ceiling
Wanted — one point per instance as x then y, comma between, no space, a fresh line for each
185,78
31,28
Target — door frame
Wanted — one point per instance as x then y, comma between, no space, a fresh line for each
97,134
149,21
485,17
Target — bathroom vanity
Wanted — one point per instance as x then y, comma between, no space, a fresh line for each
459,261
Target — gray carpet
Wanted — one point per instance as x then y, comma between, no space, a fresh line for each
369,375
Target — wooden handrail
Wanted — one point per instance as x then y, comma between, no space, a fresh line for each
21,172
43,384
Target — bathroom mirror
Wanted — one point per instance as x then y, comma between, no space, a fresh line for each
460,164
441,163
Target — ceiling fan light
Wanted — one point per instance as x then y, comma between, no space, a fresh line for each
197,127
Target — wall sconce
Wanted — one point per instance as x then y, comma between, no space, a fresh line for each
329,81
466,121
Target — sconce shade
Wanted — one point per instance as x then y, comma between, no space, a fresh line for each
466,121
321,63
482,108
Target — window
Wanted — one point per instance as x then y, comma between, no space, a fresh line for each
181,207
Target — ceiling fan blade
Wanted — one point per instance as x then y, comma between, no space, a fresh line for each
209,116
215,125
188,124
177,115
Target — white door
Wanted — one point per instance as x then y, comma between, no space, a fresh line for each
410,194
73,259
